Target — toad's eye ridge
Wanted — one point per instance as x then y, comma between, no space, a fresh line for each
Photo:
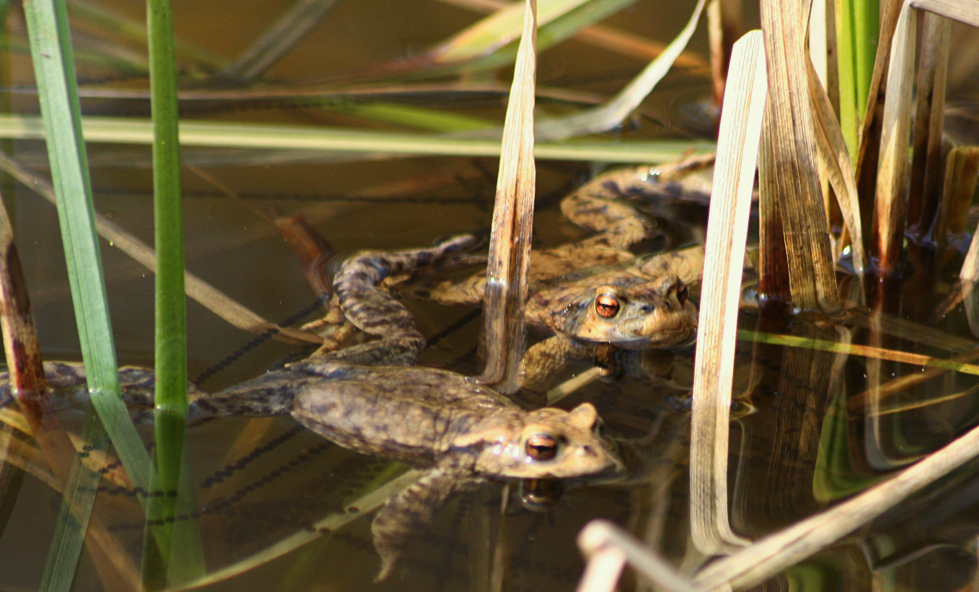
606,306
541,447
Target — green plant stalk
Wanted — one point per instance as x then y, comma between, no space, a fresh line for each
866,23
849,118
171,314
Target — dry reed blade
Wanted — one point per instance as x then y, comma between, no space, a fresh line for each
961,174
608,548
925,194
211,298
836,162
513,217
29,385
777,551
871,119
964,11
957,192
887,232
21,347
724,27
611,114
970,298
788,172
734,170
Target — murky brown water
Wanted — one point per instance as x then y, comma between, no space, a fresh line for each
261,482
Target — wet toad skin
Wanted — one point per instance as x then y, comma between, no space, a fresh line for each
584,294
460,433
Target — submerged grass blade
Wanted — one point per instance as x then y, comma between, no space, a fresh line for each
117,24
861,350
389,482
75,512
281,37
211,298
116,130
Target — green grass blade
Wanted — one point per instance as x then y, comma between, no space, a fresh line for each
54,70
117,130
176,556
171,315
866,23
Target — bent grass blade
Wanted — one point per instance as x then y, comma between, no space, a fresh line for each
734,173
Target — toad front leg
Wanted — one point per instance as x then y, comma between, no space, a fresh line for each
373,310
545,360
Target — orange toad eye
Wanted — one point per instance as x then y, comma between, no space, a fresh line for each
541,447
681,293
606,306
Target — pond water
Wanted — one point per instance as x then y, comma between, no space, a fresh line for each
804,438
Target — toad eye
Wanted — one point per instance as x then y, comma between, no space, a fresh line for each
681,293
541,447
607,306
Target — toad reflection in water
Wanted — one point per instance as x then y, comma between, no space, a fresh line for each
583,294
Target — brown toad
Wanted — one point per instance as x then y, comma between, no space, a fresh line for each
460,433
584,294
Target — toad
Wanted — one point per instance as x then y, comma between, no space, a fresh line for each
582,295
